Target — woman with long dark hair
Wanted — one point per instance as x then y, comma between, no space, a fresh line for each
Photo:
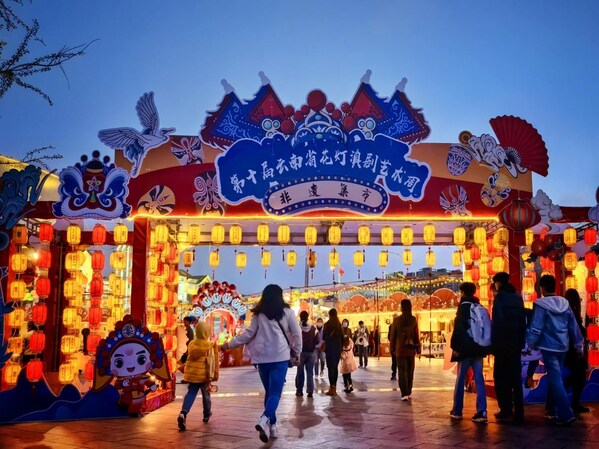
332,335
405,343
576,364
273,331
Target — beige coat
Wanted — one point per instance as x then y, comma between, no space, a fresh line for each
348,361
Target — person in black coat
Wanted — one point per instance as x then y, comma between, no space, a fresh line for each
507,335
576,364
332,334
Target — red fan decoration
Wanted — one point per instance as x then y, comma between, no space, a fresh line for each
519,135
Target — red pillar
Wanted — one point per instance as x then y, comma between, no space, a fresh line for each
516,240
141,234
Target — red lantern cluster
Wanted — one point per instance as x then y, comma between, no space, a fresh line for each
591,284
590,260
593,332
592,308
590,236
39,314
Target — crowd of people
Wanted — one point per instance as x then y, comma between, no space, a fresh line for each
275,341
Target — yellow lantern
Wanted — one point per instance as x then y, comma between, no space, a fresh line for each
69,316
570,260
501,238
15,345
18,262
428,234
407,236
570,236
262,234
387,235
17,289
217,234
16,318
359,258
182,237
265,258
161,233
480,236
235,234
456,258
121,234
483,272
497,264
311,235
459,236
214,259
363,235
333,259
71,261
66,373
76,301
11,373
152,239
528,285
20,234
194,234
283,234
73,234
241,260
71,288
117,313
69,344
430,258
407,257
334,234
291,258
119,286
118,260
571,282
383,259
312,259
467,275
188,257
153,263
528,237
152,292
468,257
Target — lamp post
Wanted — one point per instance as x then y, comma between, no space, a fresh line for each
430,313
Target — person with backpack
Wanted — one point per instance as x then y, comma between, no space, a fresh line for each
552,329
310,340
470,342
508,330
405,344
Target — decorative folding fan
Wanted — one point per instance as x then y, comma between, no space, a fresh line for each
522,142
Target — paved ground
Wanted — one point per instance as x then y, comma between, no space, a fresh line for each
371,417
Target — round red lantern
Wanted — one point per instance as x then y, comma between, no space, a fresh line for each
475,273
37,341
39,314
98,261
96,286
590,260
42,287
475,253
594,357
99,235
593,332
592,308
95,316
89,371
34,370
46,233
93,340
44,259
546,263
590,236
519,215
591,283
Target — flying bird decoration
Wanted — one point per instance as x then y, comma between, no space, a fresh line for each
136,144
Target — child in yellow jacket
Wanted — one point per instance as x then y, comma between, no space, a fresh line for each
201,368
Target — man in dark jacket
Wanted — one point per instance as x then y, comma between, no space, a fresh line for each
507,335
468,354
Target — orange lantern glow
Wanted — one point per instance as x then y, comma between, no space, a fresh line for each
528,285
34,370
570,236
590,236
546,264
593,332
42,287
96,286
480,236
498,264
121,234
99,235
20,235
66,373
529,236
73,235
11,373
46,234
95,316
17,289
98,261
69,317
18,262
570,282
119,286
16,318
592,308
93,340
37,342
71,288
475,273
591,283
15,345
44,259
39,314
118,260
590,260
188,257
161,233
475,253
69,344
570,260
89,371
194,234
594,357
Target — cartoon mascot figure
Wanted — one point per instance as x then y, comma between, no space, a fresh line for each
128,354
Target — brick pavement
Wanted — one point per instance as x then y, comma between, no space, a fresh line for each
371,417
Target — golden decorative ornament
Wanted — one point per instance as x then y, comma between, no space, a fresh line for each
570,236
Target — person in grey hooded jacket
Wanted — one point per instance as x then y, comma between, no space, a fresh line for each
552,327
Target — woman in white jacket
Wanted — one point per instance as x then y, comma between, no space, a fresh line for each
273,331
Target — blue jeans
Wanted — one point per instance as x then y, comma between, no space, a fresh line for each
557,398
458,392
307,364
272,376
363,354
318,357
190,397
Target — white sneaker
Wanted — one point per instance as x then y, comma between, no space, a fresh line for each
405,398
261,426
272,430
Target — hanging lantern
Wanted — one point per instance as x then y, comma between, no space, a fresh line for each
590,284
475,273
311,235
459,236
407,236
17,289
98,261
46,234
69,317
501,237
291,258
592,308
456,259
265,258
590,236
235,234
430,258
312,259
407,257
39,314
118,260
15,345
475,253
99,235
214,259
528,285
71,261
161,233
73,234
96,286
358,258
89,370
69,344
468,256
44,259
95,316
387,235
490,270
241,260
188,257
529,237
498,264
283,234
119,286
334,234
519,215
262,234
37,342
383,259
153,264
20,235
33,370
333,259
151,291
593,332
570,260
428,234
66,373
18,262
193,234
570,236
590,260
594,357
484,274
11,373
93,340
468,275
480,235
363,235
570,282
120,234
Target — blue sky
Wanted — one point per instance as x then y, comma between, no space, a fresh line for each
466,62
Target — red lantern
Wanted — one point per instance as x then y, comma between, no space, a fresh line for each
39,314
519,215
591,283
34,370
99,235
592,308
98,261
44,259
96,286
546,264
170,320
89,371
37,342
475,273
590,260
594,357
42,287
93,340
590,236
475,252
46,234
593,332
95,316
